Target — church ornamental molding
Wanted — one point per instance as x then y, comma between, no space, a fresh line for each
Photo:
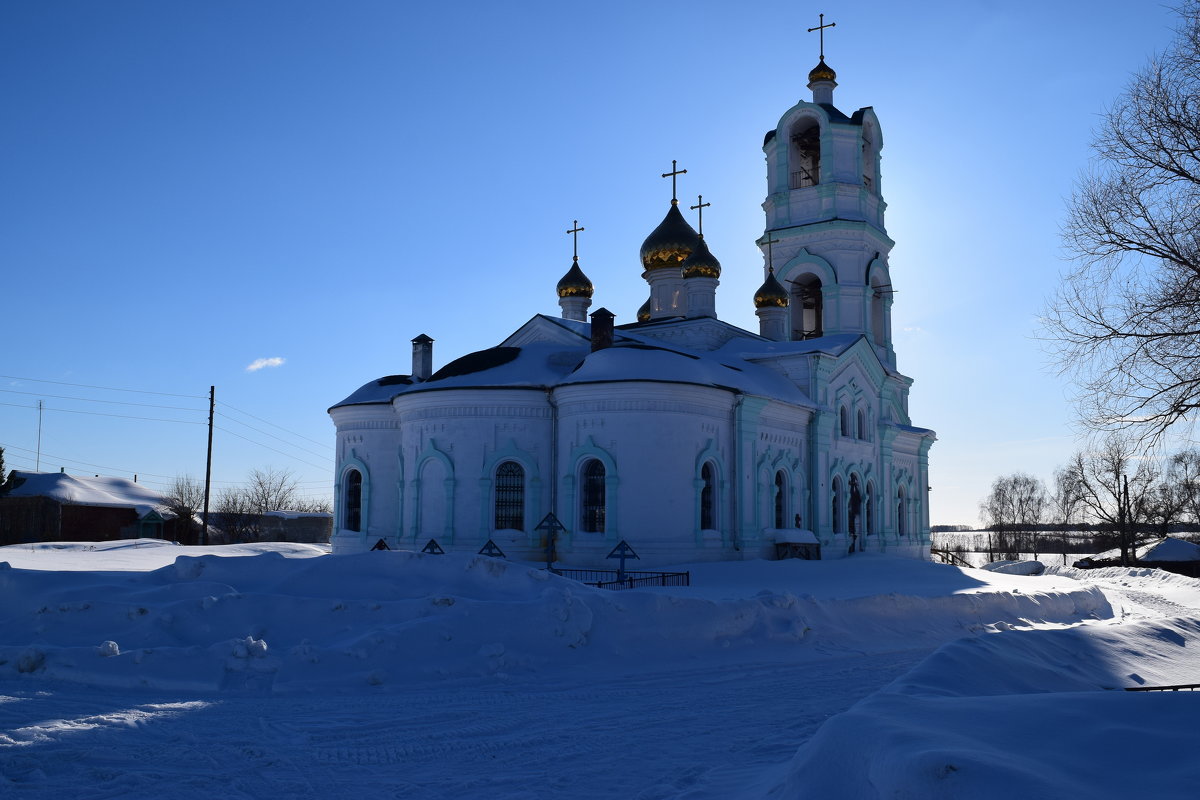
371,425
450,412
660,406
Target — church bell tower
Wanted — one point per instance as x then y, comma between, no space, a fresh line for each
824,217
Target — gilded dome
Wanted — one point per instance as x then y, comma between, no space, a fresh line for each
822,72
643,314
701,263
669,245
771,293
575,283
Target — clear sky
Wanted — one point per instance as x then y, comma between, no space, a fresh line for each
187,188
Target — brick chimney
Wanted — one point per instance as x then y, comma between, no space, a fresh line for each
602,329
422,366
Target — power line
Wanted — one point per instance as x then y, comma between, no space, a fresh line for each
91,400
272,449
168,479
102,414
277,438
272,424
106,388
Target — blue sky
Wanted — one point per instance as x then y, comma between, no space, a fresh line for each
189,188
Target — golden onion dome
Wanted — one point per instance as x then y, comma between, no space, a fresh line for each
575,283
822,72
771,293
669,245
643,314
701,263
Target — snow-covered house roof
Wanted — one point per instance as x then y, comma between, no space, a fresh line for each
1166,549
82,491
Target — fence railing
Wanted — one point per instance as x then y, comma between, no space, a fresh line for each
607,578
1181,687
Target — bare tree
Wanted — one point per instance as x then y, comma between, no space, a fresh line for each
1064,505
1014,512
240,509
1126,319
1115,489
1184,471
185,498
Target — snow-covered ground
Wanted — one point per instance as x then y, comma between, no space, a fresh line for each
143,668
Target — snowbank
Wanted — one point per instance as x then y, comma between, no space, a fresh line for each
270,623
1020,714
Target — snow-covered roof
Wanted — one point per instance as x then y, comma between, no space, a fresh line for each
85,491
795,536
1167,549
634,356
543,365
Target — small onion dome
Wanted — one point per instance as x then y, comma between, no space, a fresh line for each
575,283
822,72
701,263
669,245
771,293
643,314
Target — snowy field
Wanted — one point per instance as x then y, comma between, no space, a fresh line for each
277,671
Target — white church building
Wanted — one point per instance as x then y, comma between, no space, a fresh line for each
686,436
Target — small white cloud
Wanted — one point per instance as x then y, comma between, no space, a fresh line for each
914,329
259,363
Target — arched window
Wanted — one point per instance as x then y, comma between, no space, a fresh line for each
807,307
836,499
805,154
868,157
780,499
844,421
862,424
352,516
708,516
878,312
510,496
854,510
592,504
869,519
901,513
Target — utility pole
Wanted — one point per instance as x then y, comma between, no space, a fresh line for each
212,404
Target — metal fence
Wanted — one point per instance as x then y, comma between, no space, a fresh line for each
607,578
1182,687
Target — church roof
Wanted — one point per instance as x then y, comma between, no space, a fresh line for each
633,357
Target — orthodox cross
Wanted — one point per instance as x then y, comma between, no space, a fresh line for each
770,258
822,28
674,171
699,209
575,233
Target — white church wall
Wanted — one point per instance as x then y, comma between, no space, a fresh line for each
653,434
368,437
453,440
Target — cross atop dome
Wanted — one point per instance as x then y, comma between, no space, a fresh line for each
822,79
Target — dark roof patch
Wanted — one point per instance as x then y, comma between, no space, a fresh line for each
476,362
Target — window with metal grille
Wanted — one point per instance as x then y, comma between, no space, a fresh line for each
510,496
353,516
780,498
593,497
707,499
